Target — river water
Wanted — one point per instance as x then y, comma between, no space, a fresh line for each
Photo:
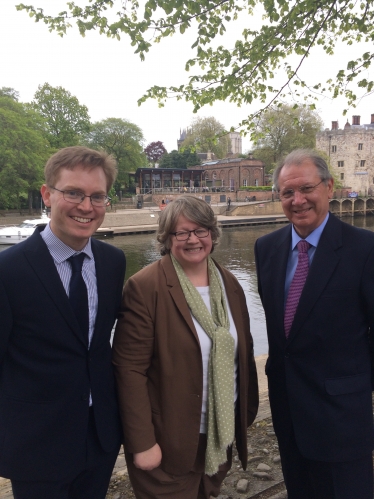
235,252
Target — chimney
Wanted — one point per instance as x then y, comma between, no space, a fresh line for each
372,118
334,125
356,120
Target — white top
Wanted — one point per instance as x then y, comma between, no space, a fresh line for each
206,345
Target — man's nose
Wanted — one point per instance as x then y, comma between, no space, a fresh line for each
86,203
298,197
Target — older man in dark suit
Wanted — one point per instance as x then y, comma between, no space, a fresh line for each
316,282
60,292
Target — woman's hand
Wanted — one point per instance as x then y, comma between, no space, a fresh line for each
148,459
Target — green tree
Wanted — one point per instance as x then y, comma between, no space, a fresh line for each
23,153
65,117
180,159
9,92
207,135
244,71
280,130
124,140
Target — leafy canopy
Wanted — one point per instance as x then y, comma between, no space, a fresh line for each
207,135
244,72
180,159
66,118
24,150
122,139
154,151
280,130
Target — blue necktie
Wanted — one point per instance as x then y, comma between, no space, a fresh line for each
78,296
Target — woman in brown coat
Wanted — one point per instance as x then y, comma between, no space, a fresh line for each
184,362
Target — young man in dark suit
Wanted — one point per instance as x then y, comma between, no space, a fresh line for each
59,424
316,282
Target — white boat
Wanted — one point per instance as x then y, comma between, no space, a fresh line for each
18,233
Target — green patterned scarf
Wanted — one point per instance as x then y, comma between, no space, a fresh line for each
220,410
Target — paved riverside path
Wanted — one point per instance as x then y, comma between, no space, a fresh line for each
263,413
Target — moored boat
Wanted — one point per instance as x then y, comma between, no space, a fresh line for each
18,233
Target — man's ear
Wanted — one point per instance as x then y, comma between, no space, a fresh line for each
46,194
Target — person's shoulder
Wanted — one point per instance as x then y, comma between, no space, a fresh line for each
109,250
227,275
149,272
10,256
276,235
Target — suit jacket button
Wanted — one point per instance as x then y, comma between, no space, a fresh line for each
84,397
286,355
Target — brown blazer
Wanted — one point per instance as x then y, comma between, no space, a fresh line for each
158,365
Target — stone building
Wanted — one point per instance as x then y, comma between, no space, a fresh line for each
351,153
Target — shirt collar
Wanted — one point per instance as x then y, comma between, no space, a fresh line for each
59,250
313,237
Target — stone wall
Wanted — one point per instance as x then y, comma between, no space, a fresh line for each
354,146
134,218
267,208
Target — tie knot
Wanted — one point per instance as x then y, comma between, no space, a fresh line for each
76,262
303,246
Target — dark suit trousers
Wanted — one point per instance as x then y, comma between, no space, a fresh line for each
157,484
90,482
307,479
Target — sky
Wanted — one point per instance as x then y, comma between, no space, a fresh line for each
106,76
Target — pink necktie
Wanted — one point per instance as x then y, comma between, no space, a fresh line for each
297,285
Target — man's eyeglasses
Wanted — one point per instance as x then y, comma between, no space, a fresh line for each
303,189
77,197
183,235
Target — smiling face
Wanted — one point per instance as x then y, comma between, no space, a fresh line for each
305,211
73,223
192,254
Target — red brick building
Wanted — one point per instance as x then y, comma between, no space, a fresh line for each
233,173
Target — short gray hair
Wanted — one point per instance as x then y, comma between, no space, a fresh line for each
194,209
297,157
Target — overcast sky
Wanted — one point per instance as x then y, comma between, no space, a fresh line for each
108,78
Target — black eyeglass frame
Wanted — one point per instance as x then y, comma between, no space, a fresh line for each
176,234
107,199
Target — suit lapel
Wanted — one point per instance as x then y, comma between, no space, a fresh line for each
176,293
102,287
39,258
278,267
324,263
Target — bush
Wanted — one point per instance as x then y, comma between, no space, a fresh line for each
256,188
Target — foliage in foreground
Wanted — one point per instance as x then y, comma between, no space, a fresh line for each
245,71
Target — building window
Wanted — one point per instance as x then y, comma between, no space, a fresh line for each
340,164
245,182
360,146
362,162
256,182
333,149
342,176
